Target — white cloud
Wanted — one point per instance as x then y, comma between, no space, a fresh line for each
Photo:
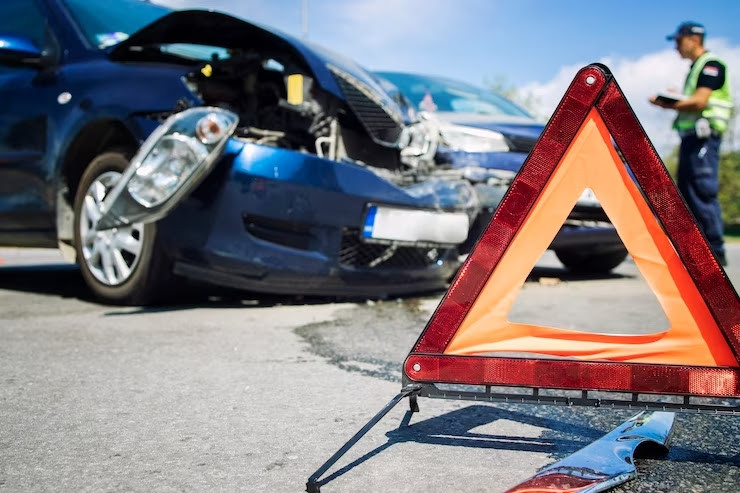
384,34
390,34
639,79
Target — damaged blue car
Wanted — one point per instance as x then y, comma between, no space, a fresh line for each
485,138
152,145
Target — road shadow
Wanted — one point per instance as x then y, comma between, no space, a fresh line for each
65,281
563,433
457,428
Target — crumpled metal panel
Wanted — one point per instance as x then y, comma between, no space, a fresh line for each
605,463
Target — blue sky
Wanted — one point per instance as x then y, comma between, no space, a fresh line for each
535,46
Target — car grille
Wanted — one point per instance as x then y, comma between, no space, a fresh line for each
520,144
380,123
293,235
356,253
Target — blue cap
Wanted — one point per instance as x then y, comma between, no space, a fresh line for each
687,29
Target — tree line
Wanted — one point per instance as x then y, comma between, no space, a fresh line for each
729,184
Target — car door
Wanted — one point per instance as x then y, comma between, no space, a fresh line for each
27,95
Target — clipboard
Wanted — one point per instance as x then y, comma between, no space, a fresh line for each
669,97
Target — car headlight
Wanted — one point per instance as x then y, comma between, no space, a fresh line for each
186,144
173,160
470,139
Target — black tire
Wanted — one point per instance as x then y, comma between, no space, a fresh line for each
121,265
585,262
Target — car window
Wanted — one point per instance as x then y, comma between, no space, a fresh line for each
105,26
441,94
196,52
21,18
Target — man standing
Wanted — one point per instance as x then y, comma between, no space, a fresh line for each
704,111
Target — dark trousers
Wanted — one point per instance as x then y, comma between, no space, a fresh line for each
698,181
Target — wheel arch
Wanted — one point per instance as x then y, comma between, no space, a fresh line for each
93,139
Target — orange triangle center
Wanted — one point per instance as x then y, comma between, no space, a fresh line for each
592,162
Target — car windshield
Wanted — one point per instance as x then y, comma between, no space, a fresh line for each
440,94
109,24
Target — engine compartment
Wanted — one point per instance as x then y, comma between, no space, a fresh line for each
280,104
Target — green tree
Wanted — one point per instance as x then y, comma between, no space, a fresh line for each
729,187
729,183
671,163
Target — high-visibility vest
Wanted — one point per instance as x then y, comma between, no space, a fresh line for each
719,107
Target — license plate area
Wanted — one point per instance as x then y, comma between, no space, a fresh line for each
414,226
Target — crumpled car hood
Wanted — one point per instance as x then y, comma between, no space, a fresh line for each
198,27
207,27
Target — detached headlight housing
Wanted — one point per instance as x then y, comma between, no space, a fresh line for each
172,160
471,139
170,163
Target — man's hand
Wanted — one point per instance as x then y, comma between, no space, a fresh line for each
662,102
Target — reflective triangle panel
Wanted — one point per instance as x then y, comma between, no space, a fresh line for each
469,339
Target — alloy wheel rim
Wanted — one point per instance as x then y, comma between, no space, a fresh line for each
111,255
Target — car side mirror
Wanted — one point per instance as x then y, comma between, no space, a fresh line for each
18,51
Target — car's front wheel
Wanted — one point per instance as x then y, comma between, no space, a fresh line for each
589,262
123,265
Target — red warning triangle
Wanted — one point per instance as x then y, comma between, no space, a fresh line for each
469,339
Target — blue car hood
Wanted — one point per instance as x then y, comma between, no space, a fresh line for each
206,27
512,126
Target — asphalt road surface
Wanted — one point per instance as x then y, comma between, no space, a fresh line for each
229,392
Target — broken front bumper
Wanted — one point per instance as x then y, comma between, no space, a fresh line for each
279,221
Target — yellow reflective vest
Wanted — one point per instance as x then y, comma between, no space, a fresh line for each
719,108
